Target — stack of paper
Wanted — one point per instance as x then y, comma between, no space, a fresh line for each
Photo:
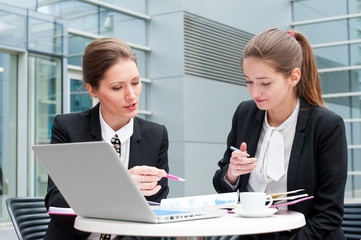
61,211
222,200
282,199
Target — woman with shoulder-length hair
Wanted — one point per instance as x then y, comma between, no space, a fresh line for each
111,75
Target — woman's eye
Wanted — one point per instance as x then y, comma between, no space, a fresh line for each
117,88
266,84
249,82
135,83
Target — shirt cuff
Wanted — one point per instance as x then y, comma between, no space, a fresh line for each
234,187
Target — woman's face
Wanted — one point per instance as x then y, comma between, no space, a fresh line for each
269,89
118,93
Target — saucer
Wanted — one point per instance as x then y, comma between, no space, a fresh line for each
266,212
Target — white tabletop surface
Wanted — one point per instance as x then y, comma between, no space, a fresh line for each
230,224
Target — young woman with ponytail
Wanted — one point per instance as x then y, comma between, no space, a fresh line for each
294,141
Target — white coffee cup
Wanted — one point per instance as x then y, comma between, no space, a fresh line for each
255,201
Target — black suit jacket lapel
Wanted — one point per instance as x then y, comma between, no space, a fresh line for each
255,132
303,116
135,146
95,130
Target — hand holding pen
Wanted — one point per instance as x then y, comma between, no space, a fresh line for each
240,163
147,178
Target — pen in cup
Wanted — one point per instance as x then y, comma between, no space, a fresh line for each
175,177
236,149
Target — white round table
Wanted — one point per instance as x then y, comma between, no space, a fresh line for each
228,225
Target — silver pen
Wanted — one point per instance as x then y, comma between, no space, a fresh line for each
236,149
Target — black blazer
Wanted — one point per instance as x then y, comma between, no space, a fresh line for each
148,146
318,164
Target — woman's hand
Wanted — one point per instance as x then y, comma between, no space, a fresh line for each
240,164
147,178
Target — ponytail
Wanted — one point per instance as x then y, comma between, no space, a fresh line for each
309,87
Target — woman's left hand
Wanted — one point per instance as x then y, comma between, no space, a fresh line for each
147,178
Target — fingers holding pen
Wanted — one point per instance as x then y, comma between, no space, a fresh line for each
242,164
147,178
240,161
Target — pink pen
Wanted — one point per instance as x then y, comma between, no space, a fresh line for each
175,177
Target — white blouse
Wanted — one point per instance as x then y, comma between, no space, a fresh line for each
258,182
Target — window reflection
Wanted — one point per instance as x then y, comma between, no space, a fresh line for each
353,182
76,47
8,129
340,81
98,20
12,29
325,32
45,36
80,99
330,57
45,92
125,27
313,9
141,62
137,6
354,6
354,130
355,26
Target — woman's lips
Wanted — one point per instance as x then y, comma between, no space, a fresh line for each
131,107
260,101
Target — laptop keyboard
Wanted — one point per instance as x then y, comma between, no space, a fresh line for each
163,212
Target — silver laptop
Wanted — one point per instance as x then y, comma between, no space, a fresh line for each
95,184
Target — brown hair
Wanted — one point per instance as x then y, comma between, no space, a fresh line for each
284,52
100,55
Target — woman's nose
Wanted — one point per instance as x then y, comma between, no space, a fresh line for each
130,94
255,92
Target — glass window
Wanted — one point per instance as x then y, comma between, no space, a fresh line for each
80,99
45,35
313,9
354,137
13,29
355,165
137,6
354,6
8,129
143,97
141,62
355,53
346,107
80,15
330,57
340,81
353,187
122,26
324,32
45,92
77,45
354,28
338,56
342,106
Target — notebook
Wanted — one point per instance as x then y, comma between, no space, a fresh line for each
95,184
